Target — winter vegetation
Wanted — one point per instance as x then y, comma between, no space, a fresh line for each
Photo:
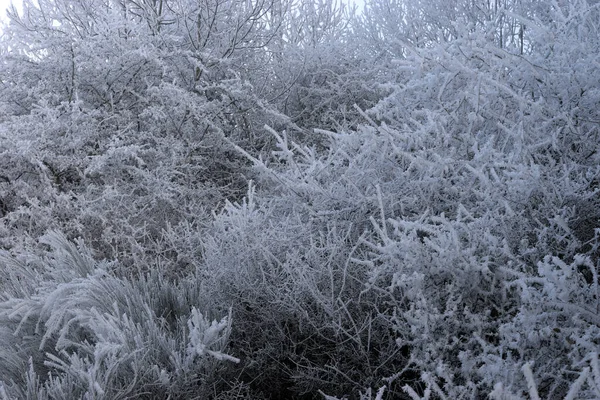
290,199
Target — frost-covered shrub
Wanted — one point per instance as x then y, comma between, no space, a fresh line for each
521,165
117,124
296,297
464,180
437,235
557,326
369,247
71,329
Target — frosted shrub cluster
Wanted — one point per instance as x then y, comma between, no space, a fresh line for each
293,199
74,330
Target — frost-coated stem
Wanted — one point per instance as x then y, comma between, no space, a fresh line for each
531,386
575,387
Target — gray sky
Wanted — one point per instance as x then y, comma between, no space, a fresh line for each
4,4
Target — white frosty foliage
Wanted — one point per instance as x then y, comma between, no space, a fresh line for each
99,336
422,212
205,335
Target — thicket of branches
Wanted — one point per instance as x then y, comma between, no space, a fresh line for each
290,199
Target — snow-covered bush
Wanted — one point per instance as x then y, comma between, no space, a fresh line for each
436,235
455,201
368,245
71,329
115,121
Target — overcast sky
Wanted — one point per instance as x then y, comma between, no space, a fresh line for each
4,4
